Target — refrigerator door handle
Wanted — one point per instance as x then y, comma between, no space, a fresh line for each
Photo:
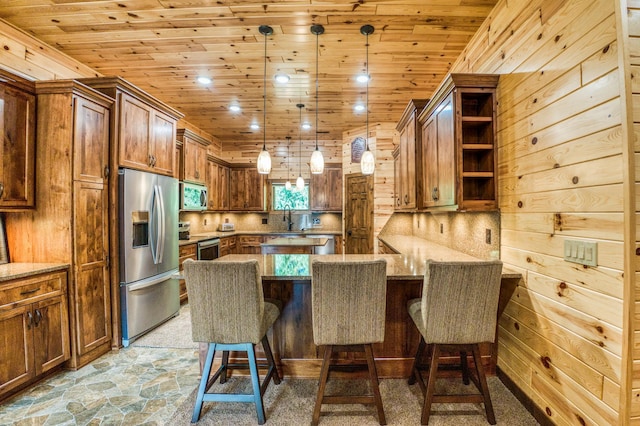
161,225
156,225
151,282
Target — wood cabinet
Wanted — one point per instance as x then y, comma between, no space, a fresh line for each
71,224
186,251
246,189
17,150
218,184
458,144
144,129
326,190
194,151
228,245
250,244
34,329
407,165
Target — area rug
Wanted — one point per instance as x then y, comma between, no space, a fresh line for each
291,404
175,333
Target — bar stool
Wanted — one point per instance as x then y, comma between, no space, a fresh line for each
228,311
348,301
458,310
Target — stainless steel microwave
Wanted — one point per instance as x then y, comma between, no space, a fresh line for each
193,196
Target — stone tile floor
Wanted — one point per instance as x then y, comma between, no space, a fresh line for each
132,386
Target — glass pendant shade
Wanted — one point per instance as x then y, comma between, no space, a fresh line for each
367,163
287,185
264,162
317,162
300,183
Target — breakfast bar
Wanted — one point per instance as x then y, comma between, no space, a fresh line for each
287,277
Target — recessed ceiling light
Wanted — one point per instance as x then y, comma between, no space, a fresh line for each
203,79
282,78
359,107
254,126
306,126
362,78
234,108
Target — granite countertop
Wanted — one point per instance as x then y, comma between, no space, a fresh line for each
10,271
220,234
296,242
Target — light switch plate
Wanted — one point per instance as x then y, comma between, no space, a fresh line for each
582,252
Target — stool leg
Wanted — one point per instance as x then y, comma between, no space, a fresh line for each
273,370
255,382
225,362
324,373
431,384
373,377
202,388
464,365
484,388
415,368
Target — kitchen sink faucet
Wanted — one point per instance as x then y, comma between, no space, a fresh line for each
287,218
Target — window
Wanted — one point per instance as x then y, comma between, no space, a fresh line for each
293,198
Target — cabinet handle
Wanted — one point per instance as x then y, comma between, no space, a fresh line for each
29,320
25,292
107,171
1,189
108,262
150,160
197,174
154,160
406,198
434,193
38,317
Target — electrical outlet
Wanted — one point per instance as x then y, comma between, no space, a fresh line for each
487,236
441,228
582,252
205,222
265,221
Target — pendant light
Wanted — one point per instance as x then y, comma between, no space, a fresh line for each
367,161
317,160
264,159
287,184
300,180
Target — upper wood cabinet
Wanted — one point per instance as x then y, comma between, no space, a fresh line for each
247,187
144,129
326,190
194,151
71,224
408,170
458,144
218,184
17,151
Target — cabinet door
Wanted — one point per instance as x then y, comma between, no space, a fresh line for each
408,164
51,333
90,140
135,133
16,350
92,307
397,182
223,181
319,191
17,151
213,178
254,189
334,196
237,185
195,161
163,143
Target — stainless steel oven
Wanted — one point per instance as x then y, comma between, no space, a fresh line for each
209,249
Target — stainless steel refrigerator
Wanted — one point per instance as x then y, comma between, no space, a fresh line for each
148,221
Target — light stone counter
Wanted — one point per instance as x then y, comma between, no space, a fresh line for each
10,271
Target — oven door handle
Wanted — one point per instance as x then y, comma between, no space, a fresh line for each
207,244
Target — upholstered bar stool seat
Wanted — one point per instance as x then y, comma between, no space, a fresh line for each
228,311
458,310
348,302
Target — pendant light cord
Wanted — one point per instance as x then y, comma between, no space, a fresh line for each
366,138
264,97
317,36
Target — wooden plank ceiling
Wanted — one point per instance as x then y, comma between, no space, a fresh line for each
163,45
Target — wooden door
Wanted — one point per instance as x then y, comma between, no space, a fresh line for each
254,191
51,333
408,164
359,214
91,141
223,182
236,189
446,155
135,133
195,161
213,179
318,187
17,150
163,143
334,189
92,308
16,350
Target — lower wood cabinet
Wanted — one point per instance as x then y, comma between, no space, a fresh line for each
250,244
34,329
228,245
186,251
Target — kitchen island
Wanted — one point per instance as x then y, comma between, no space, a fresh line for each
293,245
287,277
